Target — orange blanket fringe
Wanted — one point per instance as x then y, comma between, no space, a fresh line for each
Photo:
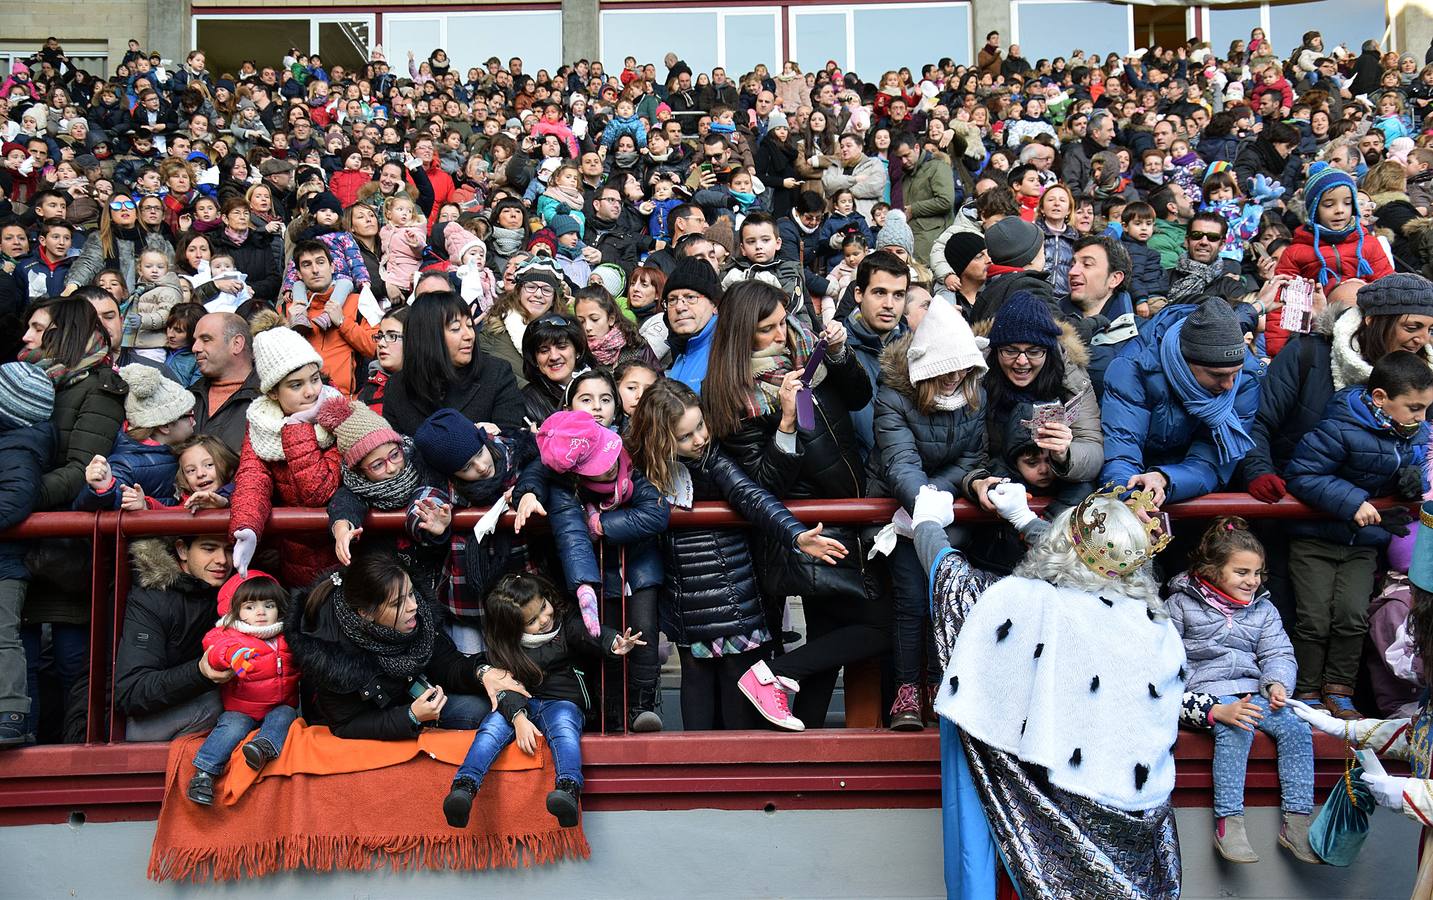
328,803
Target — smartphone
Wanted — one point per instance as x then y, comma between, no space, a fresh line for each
419,687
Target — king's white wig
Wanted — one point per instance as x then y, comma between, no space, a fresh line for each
1053,558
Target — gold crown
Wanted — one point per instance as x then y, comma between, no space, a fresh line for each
1092,544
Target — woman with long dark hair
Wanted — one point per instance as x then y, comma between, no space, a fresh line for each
376,663
115,245
443,367
757,359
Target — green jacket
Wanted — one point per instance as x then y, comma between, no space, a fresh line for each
1168,240
929,194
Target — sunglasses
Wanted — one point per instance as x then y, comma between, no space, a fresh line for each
1212,237
121,204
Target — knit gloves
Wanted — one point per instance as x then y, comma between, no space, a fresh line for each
587,603
1268,488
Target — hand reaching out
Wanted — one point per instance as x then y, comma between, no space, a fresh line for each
98,474
131,498
434,516
813,544
529,505
344,534
625,642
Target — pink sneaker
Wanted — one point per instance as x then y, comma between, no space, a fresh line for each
764,690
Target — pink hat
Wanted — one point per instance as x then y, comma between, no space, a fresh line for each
456,241
663,108
572,441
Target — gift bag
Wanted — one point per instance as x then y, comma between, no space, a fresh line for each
1340,828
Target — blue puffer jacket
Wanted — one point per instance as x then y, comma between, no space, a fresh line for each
27,453
1346,460
1149,278
944,448
711,588
1239,654
630,535
1105,342
151,466
1147,427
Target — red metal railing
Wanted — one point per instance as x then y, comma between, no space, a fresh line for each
110,780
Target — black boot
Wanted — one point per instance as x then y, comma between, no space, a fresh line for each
201,788
563,804
643,716
458,805
258,752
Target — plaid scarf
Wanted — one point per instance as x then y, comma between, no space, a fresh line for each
770,366
95,353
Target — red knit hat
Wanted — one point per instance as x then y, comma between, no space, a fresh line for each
226,593
358,429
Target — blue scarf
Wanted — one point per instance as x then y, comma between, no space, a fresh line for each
722,128
1337,237
1214,410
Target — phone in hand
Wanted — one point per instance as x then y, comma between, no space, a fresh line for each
419,687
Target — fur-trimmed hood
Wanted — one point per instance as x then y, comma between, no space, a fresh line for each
895,368
155,565
1071,347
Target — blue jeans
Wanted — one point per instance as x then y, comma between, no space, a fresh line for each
464,712
70,647
560,722
230,731
1296,760
913,643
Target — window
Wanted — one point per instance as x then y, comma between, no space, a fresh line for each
891,35
229,40
1347,22
817,36
691,34
750,38
1229,24
1045,29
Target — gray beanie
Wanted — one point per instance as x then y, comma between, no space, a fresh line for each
1397,295
1211,336
27,395
1013,242
897,233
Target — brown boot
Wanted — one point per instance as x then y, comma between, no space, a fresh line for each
1314,699
1338,700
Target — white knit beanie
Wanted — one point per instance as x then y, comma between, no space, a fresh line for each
153,400
279,351
942,344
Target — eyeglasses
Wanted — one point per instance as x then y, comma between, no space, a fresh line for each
388,337
683,301
1031,354
121,204
540,290
1212,237
380,465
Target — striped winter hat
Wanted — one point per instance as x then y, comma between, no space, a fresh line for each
27,395
1219,165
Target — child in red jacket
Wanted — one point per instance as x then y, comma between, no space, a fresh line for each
248,640
1331,246
288,458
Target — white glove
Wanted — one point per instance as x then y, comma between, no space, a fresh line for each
27,165
245,542
933,505
1319,720
1387,789
1010,502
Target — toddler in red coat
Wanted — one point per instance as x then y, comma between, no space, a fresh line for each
248,641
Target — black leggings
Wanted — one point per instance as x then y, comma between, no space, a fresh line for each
643,667
710,698
837,632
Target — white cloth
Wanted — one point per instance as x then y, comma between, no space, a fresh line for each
1023,676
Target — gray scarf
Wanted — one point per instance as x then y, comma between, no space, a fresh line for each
386,495
397,654
1192,278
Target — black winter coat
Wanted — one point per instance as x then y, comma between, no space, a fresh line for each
998,288
1149,278
88,414
165,620
344,688
711,589
827,464
564,662
254,256
26,452
485,391
230,422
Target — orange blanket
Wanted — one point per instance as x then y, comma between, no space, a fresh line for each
328,803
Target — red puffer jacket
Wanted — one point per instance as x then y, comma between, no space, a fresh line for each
307,476
1341,259
272,678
